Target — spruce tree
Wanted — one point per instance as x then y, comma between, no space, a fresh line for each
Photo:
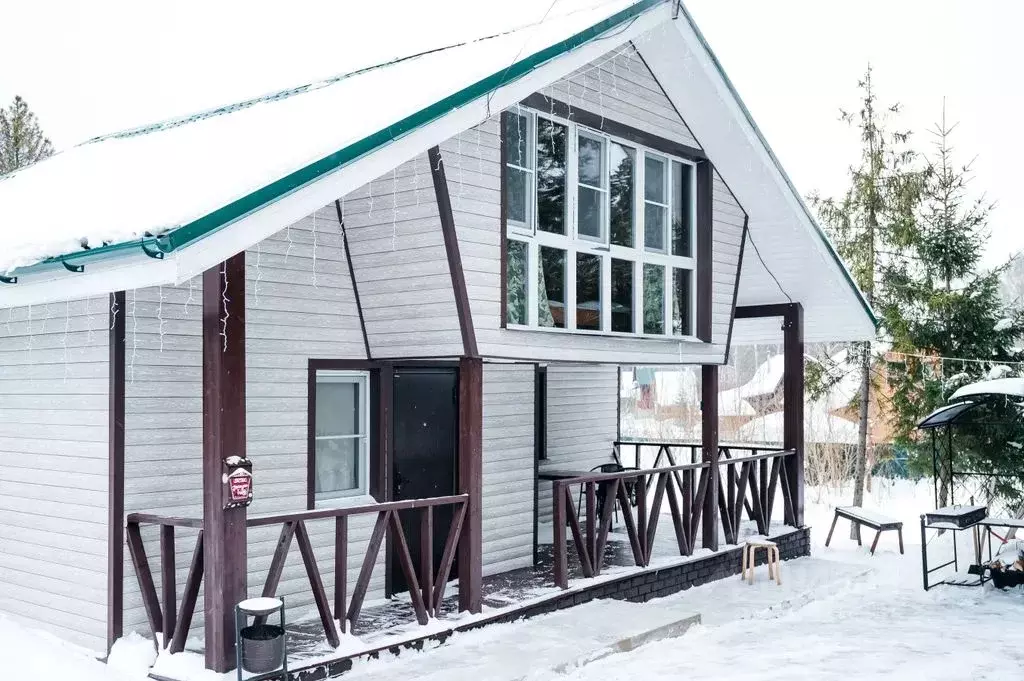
872,218
22,141
943,304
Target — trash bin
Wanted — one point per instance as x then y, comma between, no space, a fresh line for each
260,646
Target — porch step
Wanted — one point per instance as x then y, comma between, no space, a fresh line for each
539,647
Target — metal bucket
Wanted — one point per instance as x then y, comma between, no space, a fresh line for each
262,648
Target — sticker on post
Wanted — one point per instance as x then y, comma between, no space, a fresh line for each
239,487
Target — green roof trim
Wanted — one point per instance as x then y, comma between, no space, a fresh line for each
750,119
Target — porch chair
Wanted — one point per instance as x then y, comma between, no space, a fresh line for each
604,487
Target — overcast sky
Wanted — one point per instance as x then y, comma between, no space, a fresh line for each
89,68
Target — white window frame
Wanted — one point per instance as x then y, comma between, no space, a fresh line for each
666,164
363,490
530,226
572,242
573,155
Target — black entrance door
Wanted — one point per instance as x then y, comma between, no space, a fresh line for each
425,447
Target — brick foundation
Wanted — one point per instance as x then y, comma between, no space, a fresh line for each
637,588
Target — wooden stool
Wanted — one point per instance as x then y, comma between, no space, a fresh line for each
749,556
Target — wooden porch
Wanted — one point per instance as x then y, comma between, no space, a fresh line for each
752,489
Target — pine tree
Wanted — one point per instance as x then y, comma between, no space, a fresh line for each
21,139
943,304
874,217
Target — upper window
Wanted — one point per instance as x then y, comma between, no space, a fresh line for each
600,231
341,429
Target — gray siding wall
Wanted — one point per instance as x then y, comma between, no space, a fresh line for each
623,89
291,316
401,266
582,412
508,452
53,468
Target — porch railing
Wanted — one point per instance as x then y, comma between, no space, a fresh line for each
750,483
427,582
749,478
678,484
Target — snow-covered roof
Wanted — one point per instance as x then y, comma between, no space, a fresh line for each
196,190
1001,386
179,179
820,427
766,378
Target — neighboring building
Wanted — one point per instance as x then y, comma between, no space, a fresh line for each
385,303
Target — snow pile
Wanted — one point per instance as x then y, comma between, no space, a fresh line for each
1003,324
31,654
820,427
1002,386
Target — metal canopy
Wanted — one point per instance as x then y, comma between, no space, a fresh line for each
947,415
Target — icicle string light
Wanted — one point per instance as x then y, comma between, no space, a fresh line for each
90,334
160,316
458,153
31,343
288,236
314,250
113,311
369,189
259,273
135,336
479,152
224,302
64,339
416,179
394,207
191,289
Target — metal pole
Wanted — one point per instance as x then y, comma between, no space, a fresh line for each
924,556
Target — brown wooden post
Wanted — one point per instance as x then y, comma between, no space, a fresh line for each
793,408
709,454
115,469
471,482
224,542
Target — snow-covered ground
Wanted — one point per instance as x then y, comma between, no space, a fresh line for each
838,615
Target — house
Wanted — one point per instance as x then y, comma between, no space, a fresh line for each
407,314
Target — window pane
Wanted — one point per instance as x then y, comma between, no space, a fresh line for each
517,136
622,187
591,212
622,295
515,289
654,299
517,195
551,167
654,227
551,288
591,162
338,464
337,406
682,209
682,324
588,291
654,179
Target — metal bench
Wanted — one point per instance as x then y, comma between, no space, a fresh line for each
875,521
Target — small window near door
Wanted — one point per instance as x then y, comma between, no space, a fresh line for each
341,434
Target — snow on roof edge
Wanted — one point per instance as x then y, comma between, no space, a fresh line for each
183,235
